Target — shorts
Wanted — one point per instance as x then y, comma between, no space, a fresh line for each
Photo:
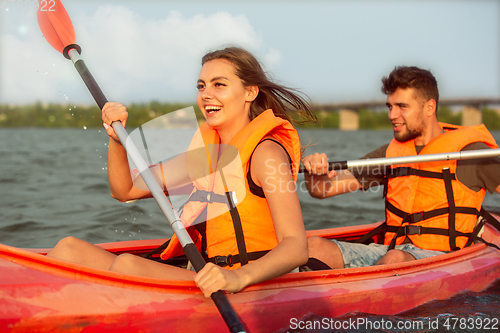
361,255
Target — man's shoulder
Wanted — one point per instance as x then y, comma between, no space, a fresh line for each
377,153
476,145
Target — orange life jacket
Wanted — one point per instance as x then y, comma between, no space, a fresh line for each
245,232
425,201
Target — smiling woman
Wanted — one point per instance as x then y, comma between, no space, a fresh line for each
259,238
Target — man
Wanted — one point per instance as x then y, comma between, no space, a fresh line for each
431,208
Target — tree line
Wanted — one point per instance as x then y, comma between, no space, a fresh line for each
78,116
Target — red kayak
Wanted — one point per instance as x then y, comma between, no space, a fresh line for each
41,294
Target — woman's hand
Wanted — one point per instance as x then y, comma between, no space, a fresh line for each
213,278
111,112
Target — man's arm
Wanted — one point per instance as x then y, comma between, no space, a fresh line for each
322,183
323,186
479,173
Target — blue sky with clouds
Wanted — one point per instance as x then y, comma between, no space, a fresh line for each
334,51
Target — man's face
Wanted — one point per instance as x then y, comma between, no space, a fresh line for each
406,113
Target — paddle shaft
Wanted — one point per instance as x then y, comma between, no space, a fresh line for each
189,247
383,161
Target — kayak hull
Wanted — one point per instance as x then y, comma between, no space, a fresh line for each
43,294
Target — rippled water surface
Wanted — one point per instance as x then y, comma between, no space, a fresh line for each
53,183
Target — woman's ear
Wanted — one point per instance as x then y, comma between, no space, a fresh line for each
252,92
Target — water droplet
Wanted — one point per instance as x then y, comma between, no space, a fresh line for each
84,127
69,109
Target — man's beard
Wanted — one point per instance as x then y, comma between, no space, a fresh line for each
410,134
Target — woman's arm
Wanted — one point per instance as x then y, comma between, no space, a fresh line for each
119,177
172,173
268,160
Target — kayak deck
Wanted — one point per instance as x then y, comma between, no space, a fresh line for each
50,295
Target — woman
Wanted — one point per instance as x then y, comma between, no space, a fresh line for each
236,99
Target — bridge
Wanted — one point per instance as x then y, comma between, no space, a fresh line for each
349,118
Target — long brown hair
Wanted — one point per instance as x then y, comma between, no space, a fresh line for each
285,102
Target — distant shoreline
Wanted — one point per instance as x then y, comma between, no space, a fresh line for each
75,116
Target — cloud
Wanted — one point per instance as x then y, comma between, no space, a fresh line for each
133,58
272,59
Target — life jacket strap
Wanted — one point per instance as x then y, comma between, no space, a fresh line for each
421,216
367,238
156,250
230,260
487,218
490,219
238,229
419,230
207,196
451,216
424,215
407,171
229,198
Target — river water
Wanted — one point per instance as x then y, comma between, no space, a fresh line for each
53,183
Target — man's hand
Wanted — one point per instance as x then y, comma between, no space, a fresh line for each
317,164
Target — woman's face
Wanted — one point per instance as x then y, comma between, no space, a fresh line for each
222,98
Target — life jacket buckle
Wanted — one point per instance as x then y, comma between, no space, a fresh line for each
223,261
412,230
203,196
416,217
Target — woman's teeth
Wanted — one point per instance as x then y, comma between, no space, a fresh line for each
212,108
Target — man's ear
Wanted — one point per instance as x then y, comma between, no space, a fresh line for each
252,92
430,106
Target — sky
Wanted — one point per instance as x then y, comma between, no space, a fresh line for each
333,51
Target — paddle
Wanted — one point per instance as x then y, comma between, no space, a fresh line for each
59,32
461,155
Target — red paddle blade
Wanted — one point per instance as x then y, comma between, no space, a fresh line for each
56,25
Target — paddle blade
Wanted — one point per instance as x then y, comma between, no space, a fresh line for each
56,25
